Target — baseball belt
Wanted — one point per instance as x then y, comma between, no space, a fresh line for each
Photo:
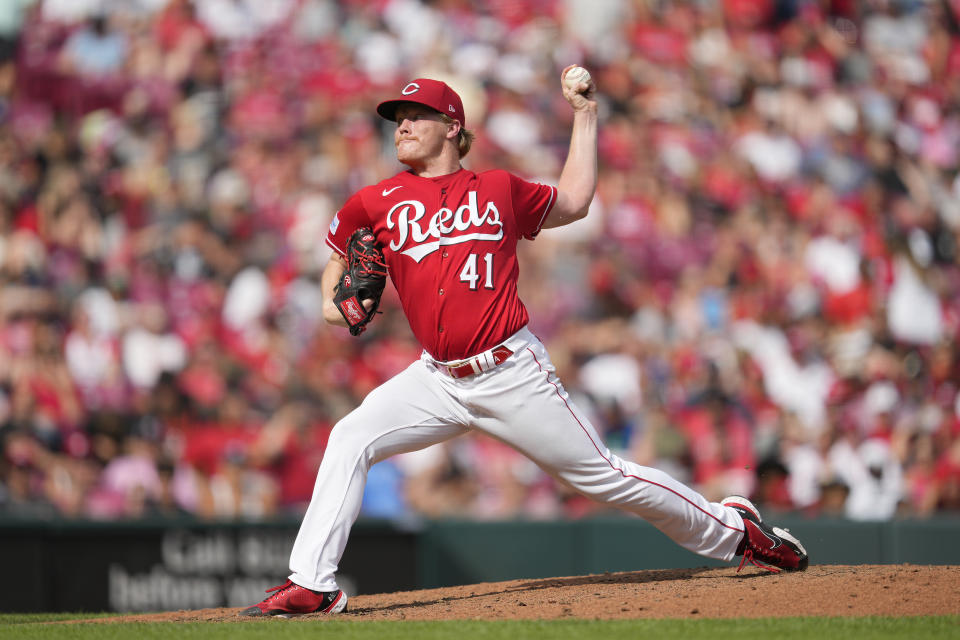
475,364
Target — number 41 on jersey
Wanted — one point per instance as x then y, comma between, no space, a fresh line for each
471,274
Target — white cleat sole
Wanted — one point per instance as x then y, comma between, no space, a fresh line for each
338,606
785,534
743,503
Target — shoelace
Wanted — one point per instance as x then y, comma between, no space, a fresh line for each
279,590
748,557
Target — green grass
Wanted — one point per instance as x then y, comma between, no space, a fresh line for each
33,626
24,618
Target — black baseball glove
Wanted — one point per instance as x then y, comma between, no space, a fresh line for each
364,279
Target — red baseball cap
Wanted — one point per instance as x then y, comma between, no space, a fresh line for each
431,93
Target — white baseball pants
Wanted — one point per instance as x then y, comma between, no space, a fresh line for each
522,403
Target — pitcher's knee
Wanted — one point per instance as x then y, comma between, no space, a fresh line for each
346,443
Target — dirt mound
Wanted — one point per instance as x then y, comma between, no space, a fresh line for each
827,590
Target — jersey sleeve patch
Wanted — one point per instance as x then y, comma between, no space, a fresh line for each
352,216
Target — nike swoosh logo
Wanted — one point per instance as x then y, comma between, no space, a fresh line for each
776,541
387,192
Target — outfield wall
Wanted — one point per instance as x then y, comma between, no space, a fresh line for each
187,564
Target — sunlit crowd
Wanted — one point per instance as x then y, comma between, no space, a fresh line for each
763,300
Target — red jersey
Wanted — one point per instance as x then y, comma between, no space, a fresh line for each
450,244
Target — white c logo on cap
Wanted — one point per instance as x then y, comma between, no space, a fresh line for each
413,87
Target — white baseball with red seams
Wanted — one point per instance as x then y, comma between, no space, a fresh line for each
576,76
450,244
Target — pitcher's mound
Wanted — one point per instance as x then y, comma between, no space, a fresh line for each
825,590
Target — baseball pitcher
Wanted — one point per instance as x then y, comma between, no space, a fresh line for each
448,239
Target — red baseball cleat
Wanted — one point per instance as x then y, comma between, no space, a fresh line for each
290,599
770,548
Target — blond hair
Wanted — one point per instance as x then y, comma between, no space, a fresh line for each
464,138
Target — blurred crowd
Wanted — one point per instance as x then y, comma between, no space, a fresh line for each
764,299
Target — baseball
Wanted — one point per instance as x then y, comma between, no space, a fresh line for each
575,77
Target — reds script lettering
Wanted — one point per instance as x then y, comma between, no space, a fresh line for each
445,221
